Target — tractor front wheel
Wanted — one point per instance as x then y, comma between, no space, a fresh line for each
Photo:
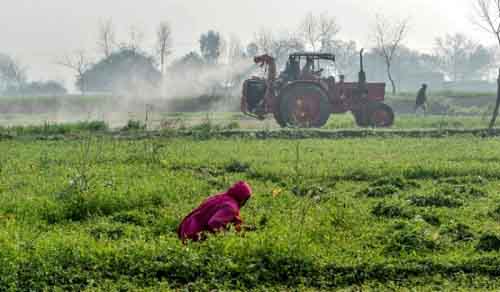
377,115
361,118
381,116
305,106
277,114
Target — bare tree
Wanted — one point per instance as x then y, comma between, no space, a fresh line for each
453,52
285,44
462,58
328,30
164,43
79,62
264,40
224,48
388,39
106,41
309,31
211,46
278,46
318,32
235,50
488,18
12,74
347,58
136,39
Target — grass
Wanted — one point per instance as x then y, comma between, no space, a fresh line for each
455,109
56,129
450,93
24,125
99,214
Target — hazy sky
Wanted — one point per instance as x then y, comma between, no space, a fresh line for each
38,32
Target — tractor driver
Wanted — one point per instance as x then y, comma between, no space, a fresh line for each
341,90
292,71
307,71
295,69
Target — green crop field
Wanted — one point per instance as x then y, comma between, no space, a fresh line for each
19,125
99,213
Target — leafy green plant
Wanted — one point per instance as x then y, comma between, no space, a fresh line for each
387,187
233,125
435,200
236,166
397,182
458,232
463,190
382,209
94,213
379,192
488,242
107,232
411,237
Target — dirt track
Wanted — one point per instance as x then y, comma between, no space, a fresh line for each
342,134
275,134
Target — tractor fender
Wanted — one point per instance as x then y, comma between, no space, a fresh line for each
293,84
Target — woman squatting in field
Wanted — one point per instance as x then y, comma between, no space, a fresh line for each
216,213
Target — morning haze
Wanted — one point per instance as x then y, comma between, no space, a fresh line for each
37,32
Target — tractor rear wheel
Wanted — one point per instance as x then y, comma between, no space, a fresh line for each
305,106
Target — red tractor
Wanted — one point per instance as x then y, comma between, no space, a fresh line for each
302,96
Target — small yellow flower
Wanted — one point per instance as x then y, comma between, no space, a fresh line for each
277,192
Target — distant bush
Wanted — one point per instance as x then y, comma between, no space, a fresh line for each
40,88
206,130
133,125
58,129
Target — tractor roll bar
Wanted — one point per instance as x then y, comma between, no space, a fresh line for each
314,56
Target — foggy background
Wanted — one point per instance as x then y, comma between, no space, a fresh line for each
38,32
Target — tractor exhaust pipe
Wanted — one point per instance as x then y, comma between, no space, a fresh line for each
362,74
361,59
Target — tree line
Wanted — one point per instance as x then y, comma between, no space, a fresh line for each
454,57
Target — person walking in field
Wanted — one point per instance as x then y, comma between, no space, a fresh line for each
216,213
307,70
421,101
